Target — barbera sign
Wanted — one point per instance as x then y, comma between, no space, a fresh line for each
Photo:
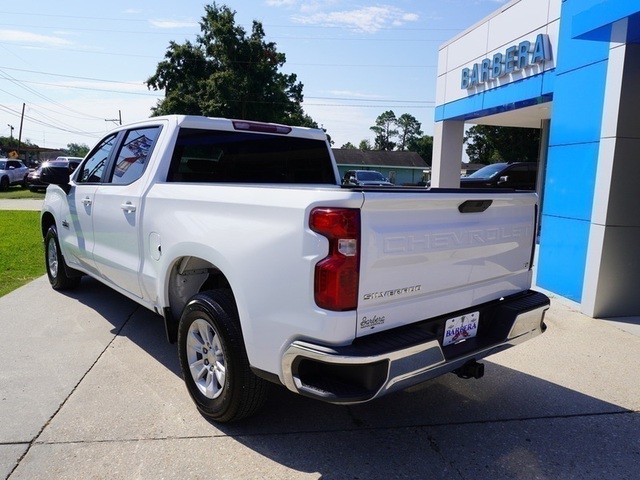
515,58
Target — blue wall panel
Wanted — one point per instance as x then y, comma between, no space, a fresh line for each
575,53
570,181
574,142
577,109
563,250
595,22
459,109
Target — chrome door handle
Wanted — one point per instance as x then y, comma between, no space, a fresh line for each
86,201
128,207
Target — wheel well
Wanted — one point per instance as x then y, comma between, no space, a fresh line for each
191,275
46,222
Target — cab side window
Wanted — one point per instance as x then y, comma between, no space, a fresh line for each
93,167
134,154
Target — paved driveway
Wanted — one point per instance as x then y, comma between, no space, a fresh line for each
89,388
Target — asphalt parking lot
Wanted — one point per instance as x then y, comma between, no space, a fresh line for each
89,388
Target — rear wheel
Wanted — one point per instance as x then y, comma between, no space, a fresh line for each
56,268
214,361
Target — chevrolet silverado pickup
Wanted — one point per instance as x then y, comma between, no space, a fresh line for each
266,270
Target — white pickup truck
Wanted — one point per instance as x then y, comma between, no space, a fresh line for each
267,270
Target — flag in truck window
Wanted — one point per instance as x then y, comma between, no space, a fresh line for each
140,148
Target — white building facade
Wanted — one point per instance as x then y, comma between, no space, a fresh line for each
569,68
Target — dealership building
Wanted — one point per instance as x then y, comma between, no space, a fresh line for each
572,69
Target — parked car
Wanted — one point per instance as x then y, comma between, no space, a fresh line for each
517,175
77,160
33,179
12,172
365,177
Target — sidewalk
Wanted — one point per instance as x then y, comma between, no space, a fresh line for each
22,204
89,388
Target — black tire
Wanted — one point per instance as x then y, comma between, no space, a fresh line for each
4,184
210,339
23,184
57,271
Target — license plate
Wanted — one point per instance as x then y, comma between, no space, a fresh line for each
461,328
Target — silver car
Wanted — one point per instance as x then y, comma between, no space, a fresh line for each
12,172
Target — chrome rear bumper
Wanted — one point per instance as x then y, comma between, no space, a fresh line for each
396,359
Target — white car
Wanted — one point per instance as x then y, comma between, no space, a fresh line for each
12,172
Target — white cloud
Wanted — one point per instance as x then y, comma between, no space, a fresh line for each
281,3
367,19
17,36
344,124
172,24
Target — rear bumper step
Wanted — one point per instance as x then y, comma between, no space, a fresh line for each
396,359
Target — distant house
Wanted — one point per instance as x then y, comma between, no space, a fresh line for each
469,168
401,168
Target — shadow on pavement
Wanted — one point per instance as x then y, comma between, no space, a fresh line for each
138,324
506,425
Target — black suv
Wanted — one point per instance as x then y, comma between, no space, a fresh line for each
517,175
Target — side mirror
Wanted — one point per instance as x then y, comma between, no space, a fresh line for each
56,176
503,179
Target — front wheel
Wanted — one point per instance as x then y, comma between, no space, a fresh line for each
214,361
56,269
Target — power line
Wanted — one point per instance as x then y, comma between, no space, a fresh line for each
267,25
159,95
38,94
406,107
77,87
70,76
54,126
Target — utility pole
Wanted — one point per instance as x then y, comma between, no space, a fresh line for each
119,119
20,134
11,134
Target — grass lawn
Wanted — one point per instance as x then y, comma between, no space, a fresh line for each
19,192
21,250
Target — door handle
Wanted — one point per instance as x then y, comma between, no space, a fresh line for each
128,207
86,201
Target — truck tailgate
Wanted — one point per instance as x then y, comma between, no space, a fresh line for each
425,253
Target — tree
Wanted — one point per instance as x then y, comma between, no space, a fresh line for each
348,146
228,73
385,131
364,144
489,144
423,146
77,149
410,129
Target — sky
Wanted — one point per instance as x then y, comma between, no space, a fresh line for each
78,66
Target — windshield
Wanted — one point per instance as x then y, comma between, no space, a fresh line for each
370,176
489,171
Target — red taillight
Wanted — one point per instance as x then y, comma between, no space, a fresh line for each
338,274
